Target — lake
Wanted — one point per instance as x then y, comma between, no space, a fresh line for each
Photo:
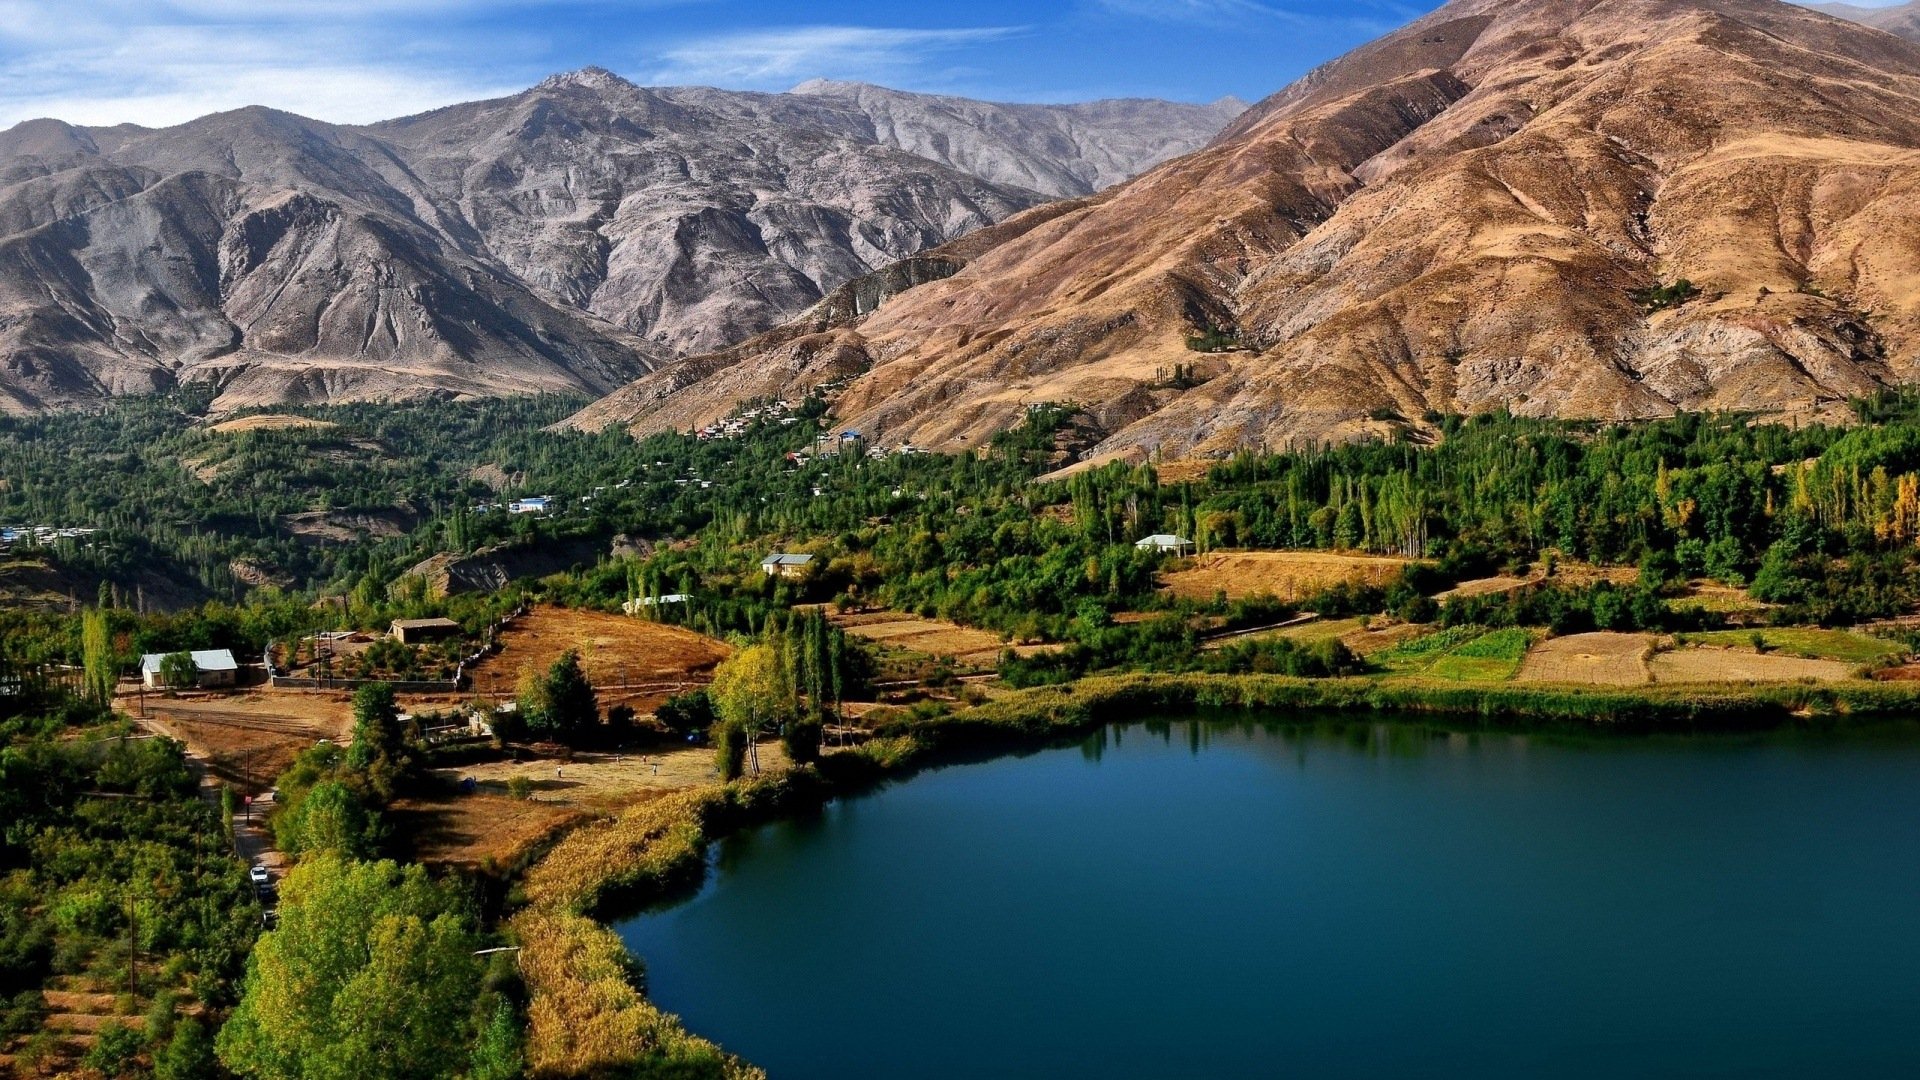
1228,900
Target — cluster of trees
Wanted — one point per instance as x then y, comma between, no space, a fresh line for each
790,681
113,869
332,798
373,968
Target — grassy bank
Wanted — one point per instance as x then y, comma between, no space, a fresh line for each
587,1017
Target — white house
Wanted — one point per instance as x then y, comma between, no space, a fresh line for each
1166,544
639,604
212,667
785,565
538,504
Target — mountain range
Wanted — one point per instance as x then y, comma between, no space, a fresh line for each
1901,19
570,237
1593,208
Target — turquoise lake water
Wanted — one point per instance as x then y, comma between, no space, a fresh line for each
1239,900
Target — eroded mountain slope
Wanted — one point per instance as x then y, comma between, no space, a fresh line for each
1491,208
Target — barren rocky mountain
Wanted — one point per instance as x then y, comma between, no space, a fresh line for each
1902,19
567,238
1594,208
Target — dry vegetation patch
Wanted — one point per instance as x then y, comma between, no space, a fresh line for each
251,735
1705,665
630,660
1288,575
934,637
270,422
467,830
1598,659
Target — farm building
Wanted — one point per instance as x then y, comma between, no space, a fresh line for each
639,604
212,668
1165,543
416,631
786,565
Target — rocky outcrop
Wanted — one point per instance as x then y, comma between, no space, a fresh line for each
1493,208
565,239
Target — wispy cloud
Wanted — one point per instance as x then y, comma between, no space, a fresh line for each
1231,12
159,62
775,59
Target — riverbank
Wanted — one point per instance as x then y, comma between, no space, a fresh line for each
587,1014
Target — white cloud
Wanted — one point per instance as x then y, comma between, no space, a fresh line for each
1229,12
161,62
775,59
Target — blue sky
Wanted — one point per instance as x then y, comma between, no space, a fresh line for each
158,62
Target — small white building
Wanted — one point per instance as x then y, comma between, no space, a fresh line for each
212,668
1165,544
639,604
538,504
786,565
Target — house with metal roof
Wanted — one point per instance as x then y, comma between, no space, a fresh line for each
1166,544
785,564
212,668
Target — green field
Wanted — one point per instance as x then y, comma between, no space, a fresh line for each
1813,644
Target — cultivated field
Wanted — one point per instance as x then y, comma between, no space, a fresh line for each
1699,665
248,735
1602,659
269,422
629,660
1288,575
934,637
1809,643
1354,633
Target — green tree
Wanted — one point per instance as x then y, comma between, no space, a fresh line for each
370,972
96,657
572,713
729,750
179,670
382,747
188,1055
329,818
751,693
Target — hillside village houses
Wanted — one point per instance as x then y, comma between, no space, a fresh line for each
212,668
39,535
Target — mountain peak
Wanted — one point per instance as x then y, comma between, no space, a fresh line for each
591,77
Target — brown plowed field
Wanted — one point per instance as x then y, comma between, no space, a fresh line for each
630,660
1288,575
1602,659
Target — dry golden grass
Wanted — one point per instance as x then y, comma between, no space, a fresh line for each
466,830
1601,659
631,660
1181,472
1288,575
934,637
1488,586
1703,665
270,422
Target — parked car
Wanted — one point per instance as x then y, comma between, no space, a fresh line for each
258,875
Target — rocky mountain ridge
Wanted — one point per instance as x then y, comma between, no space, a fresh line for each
1592,208
567,238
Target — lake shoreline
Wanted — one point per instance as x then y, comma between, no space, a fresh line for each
586,1012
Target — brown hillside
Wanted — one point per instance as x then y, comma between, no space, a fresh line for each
1465,215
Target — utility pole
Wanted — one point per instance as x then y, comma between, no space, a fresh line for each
133,947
